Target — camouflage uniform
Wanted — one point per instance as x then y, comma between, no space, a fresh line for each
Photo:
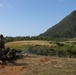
2,43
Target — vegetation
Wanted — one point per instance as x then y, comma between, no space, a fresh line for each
46,48
60,50
25,38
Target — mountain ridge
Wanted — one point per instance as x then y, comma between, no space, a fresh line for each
66,28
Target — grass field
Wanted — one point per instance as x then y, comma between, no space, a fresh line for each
44,65
25,44
41,65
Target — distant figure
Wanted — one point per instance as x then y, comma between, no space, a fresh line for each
2,43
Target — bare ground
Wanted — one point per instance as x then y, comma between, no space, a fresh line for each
12,69
40,65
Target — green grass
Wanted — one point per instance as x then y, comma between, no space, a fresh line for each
25,44
18,47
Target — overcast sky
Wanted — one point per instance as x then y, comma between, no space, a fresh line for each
32,17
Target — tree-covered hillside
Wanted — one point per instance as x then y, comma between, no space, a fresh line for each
66,28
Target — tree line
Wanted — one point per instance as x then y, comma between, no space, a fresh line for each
22,38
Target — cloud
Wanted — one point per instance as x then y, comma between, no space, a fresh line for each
1,5
7,4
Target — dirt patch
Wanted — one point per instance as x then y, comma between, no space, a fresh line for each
12,69
44,60
33,65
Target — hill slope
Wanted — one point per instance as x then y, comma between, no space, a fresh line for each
66,28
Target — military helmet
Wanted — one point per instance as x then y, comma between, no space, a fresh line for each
1,36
